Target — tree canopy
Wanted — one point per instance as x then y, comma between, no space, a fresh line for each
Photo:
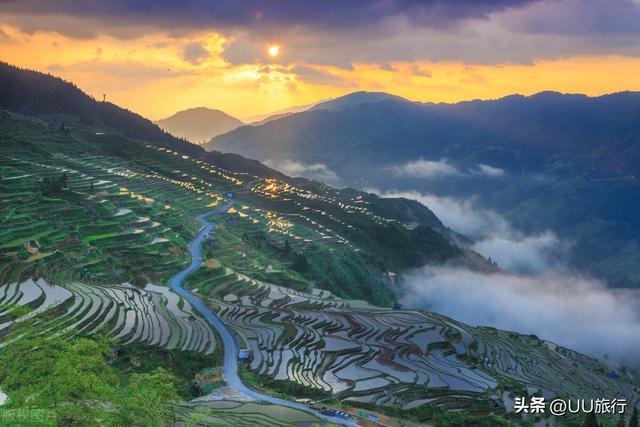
69,380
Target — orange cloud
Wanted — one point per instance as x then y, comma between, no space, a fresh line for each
157,74
455,81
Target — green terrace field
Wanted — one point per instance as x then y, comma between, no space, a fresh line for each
296,237
96,230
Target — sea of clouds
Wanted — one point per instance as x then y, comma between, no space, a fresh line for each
536,292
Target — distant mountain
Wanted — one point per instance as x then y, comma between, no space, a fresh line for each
264,118
354,99
200,124
565,162
333,104
549,129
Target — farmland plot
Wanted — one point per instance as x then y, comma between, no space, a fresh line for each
238,414
153,316
398,357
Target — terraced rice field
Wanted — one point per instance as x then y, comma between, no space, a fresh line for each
113,218
119,222
398,357
114,222
250,414
153,316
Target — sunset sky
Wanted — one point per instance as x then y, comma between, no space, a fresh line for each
254,57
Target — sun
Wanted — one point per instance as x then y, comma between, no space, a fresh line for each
274,51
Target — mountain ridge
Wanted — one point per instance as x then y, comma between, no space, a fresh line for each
552,153
461,114
354,99
199,124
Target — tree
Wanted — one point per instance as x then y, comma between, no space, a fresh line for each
198,415
69,377
148,398
55,184
301,264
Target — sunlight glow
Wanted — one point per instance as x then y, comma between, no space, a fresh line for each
274,51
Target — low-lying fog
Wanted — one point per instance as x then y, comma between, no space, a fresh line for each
537,293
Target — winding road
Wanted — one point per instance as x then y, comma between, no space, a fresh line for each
229,341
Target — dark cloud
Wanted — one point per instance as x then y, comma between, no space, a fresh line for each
316,76
417,71
573,17
340,33
385,66
194,53
244,50
254,14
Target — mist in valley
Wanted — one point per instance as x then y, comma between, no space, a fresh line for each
536,292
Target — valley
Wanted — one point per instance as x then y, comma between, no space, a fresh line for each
280,293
